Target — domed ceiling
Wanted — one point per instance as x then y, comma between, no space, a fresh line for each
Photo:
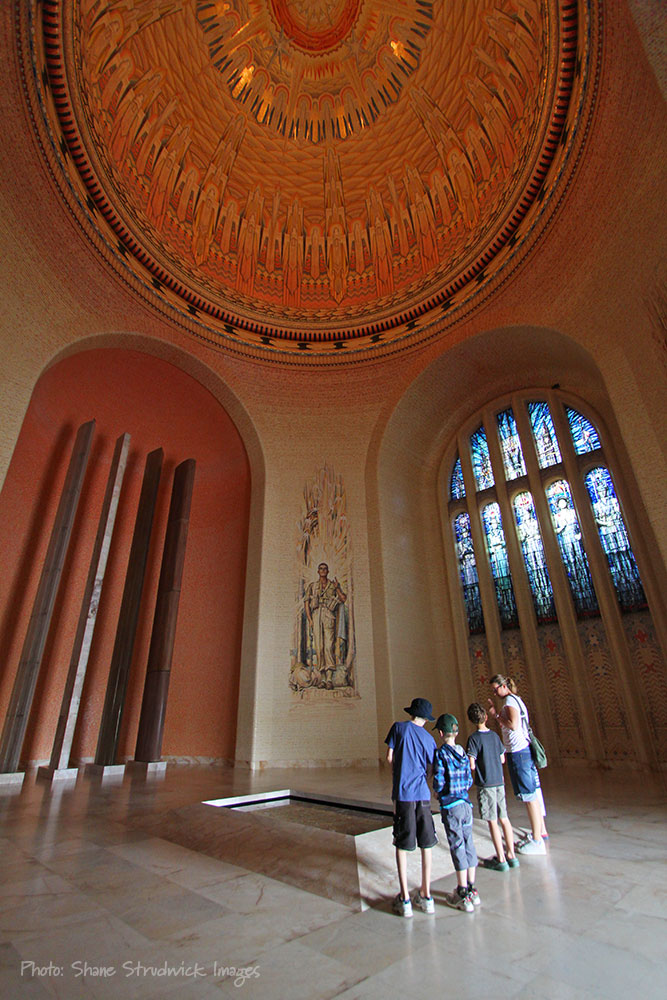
309,176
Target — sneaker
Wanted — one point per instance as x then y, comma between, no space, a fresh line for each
513,862
533,847
402,906
496,866
473,895
423,903
459,902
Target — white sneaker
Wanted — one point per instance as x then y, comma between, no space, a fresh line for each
460,902
532,847
402,906
424,903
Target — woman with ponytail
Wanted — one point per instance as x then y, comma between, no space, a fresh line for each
513,723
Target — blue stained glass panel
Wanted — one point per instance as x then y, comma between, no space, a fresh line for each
457,488
468,572
500,568
530,539
614,539
573,554
510,445
481,460
584,435
544,434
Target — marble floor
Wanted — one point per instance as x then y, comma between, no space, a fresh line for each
135,888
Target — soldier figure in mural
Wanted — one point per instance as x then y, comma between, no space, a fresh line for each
322,600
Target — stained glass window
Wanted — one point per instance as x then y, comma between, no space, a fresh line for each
457,488
548,452
500,569
568,533
584,435
510,445
615,541
530,539
481,461
468,570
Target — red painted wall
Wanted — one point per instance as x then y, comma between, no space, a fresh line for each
160,406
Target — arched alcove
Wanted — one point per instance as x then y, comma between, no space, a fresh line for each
160,405
413,582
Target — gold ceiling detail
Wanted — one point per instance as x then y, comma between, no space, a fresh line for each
309,175
316,69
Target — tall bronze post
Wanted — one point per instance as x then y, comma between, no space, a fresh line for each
69,708
23,691
121,658
154,704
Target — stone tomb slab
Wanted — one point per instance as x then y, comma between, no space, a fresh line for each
338,848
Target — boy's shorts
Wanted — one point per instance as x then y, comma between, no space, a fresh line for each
457,821
523,773
492,802
413,825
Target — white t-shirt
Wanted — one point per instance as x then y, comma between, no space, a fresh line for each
516,739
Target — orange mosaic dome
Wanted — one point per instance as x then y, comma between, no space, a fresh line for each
309,175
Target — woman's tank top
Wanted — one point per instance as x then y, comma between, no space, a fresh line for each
516,739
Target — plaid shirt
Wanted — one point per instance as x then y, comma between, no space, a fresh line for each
452,776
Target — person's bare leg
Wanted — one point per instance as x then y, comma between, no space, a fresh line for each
534,808
426,871
508,833
494,830
543,809
402,866
462,879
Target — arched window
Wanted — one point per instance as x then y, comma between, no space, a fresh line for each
457,488
468,570
614,539
564,522
481,460
544,433
500,568
532,548
549,588
511,445
572,551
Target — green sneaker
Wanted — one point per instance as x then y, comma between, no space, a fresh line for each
496,866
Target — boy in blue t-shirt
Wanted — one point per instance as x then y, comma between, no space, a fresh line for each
410,752
451,780
486,754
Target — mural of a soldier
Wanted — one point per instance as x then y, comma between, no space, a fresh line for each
321,601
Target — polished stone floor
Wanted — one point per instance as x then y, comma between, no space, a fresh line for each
135,888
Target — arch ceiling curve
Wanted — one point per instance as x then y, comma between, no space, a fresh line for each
311,176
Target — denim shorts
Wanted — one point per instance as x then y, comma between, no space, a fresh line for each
523,774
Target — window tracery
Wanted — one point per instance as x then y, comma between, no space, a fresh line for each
530,527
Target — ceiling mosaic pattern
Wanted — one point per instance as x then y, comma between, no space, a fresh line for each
308,175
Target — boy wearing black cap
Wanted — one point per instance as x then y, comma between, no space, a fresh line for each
410,752
451,780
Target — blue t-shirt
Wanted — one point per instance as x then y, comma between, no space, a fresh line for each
414,750
486,749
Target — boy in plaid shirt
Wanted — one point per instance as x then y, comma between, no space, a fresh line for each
452,778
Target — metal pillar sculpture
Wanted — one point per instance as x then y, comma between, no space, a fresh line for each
69,709
23,691
121,659
154,703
